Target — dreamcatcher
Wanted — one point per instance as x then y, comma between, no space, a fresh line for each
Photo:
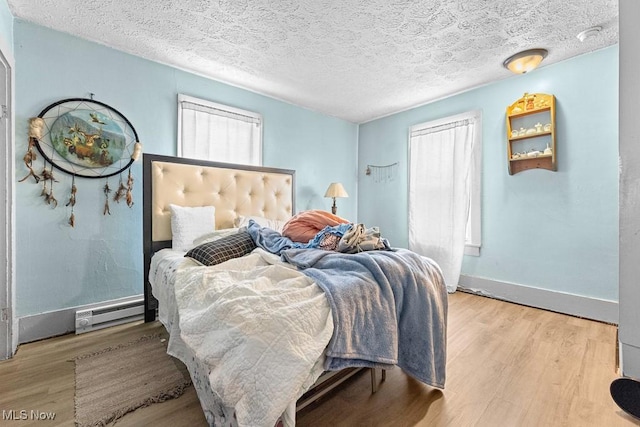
84,138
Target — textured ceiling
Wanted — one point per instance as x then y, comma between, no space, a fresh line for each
354,59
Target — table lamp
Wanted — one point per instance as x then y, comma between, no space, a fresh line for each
335,190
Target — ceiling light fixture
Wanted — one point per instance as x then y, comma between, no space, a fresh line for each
525,61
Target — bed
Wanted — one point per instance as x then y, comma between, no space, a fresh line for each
256,362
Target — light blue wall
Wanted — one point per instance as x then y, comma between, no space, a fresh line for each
6,26
101,258
550,230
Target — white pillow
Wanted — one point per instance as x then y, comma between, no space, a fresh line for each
189,223
274,224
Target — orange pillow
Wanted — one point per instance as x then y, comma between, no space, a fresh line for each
305,225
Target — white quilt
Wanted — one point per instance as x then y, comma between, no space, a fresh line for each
261,327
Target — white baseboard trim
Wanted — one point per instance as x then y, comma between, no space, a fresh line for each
575,305
59,322
630,354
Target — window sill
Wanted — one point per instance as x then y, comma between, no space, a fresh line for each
472,250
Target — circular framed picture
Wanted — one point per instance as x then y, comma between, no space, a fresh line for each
86,138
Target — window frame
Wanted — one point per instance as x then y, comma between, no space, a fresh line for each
222,107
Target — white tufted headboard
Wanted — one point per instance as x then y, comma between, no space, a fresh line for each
233,189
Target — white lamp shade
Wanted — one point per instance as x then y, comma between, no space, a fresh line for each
336,190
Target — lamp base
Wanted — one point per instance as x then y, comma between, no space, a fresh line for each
334,208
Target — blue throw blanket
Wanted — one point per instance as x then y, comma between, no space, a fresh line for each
270,240
389,308
274,242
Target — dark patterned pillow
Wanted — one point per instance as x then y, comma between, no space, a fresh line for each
223,249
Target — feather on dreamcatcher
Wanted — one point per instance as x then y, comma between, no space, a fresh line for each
84,138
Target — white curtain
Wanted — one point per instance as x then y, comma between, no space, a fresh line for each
216,134
439,193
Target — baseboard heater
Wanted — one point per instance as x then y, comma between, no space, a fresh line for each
109,315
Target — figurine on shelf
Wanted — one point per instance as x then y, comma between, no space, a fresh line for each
529,105
538,127
547,127
548,150
542,103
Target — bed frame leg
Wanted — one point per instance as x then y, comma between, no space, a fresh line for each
374,379
150,315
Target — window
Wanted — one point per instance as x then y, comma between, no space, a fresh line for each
436,132
211,131
444,191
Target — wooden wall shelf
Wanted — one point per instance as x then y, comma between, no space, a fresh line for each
534,135
531,127
541,156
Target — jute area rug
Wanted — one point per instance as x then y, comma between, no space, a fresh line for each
114,381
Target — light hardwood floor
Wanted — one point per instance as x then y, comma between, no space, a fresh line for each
508,365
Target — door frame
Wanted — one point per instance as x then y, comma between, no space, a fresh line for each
7,215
